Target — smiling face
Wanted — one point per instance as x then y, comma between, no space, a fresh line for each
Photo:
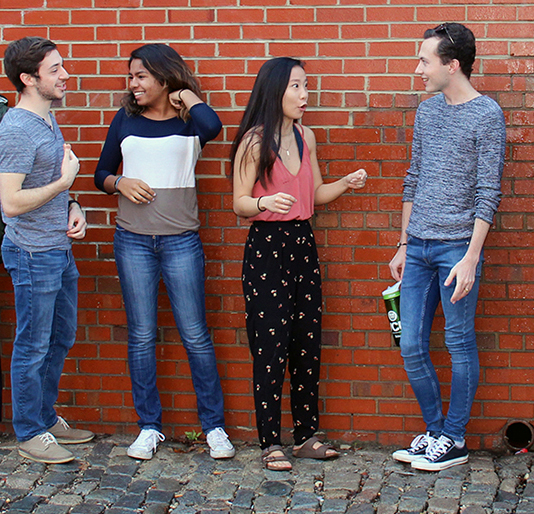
51,83
146,89
295,98
436,75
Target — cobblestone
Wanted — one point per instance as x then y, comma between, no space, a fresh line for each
185,480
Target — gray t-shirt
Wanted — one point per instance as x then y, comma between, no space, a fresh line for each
456,167
29,145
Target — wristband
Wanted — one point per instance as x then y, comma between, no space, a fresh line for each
76,202
117,182
258,205
399,244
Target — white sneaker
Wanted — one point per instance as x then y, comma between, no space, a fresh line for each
146,444
220,445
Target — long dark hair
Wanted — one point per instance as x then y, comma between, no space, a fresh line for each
167,67
264,115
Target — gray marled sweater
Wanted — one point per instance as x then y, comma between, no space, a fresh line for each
456,167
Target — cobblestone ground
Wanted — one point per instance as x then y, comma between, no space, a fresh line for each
184,480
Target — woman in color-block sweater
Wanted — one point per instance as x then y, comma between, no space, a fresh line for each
158,136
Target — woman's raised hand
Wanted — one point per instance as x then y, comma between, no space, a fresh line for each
176,99
356,179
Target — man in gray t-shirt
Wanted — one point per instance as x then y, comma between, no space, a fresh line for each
451,193
37,169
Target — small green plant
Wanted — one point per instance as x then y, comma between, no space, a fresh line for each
192,437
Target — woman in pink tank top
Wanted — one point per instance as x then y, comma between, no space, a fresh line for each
277,182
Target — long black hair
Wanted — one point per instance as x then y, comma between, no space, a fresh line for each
264,115
167,67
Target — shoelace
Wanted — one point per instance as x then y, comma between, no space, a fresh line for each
64,424
154,437
439,448
220,437
420,442
47,438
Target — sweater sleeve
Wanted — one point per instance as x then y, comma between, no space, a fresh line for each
206,122
412,175
111,156
491,140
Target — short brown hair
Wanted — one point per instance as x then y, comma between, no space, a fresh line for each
25,56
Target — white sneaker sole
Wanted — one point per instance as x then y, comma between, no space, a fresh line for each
222,454
424,465
139,454
404,457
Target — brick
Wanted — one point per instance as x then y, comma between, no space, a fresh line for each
93,17
117,3
71,33
493,13
268,32
387,14
110,33
28,4
12,33
47,17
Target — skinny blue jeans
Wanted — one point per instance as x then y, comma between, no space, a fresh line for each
428,263
141,261
46,304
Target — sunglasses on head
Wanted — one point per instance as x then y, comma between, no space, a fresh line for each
443,27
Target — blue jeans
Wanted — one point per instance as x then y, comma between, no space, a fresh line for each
141,261
46,303
428,263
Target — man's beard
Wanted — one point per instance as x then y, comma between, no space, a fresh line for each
46,94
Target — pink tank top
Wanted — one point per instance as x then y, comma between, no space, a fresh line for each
282,180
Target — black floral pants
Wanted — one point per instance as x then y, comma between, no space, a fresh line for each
282,288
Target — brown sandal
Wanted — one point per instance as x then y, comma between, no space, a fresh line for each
267,458
307,451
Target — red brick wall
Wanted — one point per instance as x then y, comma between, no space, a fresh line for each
360,61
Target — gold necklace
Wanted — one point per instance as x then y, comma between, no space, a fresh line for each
286,150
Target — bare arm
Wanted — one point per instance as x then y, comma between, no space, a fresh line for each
16,201
184,98
325,193
245,174
396,266
465,270
77,224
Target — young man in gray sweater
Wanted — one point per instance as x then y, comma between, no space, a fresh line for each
451,193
